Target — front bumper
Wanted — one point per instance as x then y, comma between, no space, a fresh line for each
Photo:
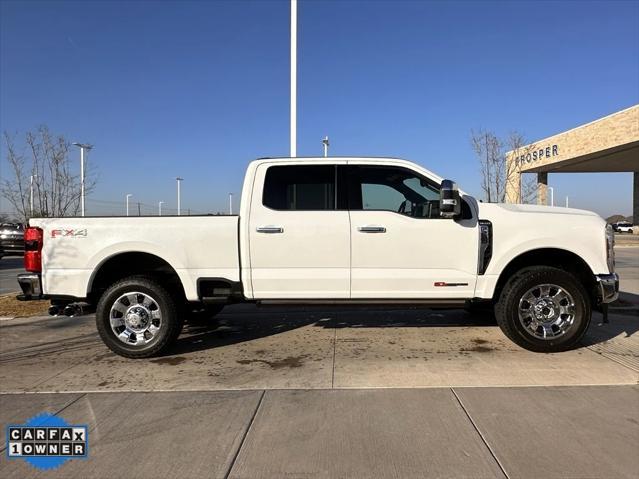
31,285
607,287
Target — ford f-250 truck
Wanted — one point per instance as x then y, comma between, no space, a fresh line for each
330,230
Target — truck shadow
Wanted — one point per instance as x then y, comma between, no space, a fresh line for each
238,324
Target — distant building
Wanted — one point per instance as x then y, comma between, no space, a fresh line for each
610,144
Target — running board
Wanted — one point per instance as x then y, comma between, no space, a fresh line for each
442,303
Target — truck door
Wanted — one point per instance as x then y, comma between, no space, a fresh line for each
401,247
299,242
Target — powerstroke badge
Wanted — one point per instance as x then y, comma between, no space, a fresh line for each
47,441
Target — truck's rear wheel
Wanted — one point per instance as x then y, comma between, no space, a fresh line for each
138,318
543,309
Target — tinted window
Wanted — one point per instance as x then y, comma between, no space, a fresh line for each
300,187
394,189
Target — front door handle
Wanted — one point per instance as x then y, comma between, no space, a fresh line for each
371,229
269,229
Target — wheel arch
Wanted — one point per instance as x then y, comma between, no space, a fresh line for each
552,257
129,263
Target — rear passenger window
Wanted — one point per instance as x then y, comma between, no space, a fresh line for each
300,187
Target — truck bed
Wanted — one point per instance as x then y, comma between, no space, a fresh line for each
194,246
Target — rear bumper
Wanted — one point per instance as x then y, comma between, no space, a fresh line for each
31,286
607,287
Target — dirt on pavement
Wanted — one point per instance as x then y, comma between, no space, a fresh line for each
11,307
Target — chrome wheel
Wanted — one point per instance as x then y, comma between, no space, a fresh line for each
136,318
547,311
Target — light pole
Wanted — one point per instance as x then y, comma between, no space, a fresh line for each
293,78
160,208
552,196
31,193
230,203
82,146
326,144
179,180
129,195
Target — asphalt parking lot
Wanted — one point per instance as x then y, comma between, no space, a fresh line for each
10,266
334,393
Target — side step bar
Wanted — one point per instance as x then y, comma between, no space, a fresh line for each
441,303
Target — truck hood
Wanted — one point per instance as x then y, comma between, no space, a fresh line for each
497,208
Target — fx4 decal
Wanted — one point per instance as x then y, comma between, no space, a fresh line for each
68,233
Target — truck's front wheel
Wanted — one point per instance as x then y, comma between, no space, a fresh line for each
138,318
543,309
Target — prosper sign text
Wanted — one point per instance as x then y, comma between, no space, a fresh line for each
537,154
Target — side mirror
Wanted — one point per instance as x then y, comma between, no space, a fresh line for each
449,201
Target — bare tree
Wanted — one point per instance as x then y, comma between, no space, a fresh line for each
495,169
488,149
5,218
516,145
45,157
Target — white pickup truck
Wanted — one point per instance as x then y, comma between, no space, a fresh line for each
329,230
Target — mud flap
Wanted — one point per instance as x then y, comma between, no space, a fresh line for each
604,312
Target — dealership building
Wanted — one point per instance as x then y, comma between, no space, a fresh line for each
609,144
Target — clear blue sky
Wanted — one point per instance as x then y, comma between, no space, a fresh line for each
198,89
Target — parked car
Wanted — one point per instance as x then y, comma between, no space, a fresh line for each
12,238
622,227
330,230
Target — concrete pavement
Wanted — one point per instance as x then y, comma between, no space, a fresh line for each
256,348
627,265
556,432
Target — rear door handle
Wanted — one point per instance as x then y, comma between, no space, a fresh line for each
269,229
371,229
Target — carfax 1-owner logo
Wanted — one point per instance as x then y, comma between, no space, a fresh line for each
47,441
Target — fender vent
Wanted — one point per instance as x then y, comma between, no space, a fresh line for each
485,245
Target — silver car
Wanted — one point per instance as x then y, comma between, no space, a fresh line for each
12,238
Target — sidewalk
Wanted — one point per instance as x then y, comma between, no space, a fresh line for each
392,433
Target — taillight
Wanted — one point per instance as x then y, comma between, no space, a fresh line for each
33,249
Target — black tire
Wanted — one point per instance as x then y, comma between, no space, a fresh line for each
507,309
171,320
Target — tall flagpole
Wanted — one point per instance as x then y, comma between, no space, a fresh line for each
179,180
293,78
82,147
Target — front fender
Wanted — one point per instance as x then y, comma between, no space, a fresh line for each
591,255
